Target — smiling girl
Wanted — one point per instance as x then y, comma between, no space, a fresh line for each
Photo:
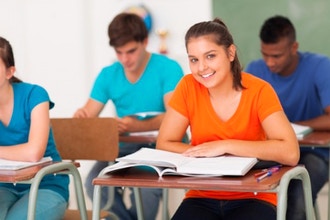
229,112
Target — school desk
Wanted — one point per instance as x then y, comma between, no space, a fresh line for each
318,139
34,174
277,183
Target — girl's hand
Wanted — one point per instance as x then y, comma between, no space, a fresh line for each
210,149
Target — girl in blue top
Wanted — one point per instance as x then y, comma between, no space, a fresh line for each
25,135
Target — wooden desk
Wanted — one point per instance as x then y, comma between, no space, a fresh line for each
34,174
26,174
318,139
137,139
14,176
134,177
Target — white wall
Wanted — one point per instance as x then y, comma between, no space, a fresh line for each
63,44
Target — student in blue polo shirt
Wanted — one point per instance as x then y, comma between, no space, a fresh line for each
301,80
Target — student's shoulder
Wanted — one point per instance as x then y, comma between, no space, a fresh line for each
250,80
255,65
24,86
113,68
32,92
318,58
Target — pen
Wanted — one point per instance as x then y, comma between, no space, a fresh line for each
263,171
263,174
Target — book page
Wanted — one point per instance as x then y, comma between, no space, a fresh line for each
145,133
16,165
156,158
173,171
123,165
301,130
145,115
218,166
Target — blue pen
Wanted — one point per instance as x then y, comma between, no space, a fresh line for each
267,174
264,171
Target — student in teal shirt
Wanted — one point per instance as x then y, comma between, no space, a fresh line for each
25,135
139,82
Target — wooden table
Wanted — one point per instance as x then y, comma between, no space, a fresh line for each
136,178
318,139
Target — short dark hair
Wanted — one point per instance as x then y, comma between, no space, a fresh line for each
222,37
126,27
275,28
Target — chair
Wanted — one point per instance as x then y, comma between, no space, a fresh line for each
85,139
76,139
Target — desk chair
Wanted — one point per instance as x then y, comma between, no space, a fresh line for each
86,139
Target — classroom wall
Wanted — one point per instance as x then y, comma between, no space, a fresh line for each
244,19
63,44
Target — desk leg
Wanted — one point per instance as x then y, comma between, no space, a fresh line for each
165,204
296,173
138,203
96,202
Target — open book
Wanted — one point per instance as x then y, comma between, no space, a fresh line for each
301,130
145,115
169,163
17,165
142,116
153,133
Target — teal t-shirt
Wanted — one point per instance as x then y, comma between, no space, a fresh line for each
26,97
146,95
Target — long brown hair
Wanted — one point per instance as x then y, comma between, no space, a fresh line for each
7,56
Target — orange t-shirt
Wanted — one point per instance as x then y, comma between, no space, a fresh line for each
258,101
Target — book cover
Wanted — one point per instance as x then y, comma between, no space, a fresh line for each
169,163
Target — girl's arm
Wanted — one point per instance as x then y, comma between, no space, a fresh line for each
281,144
172,131
35,148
